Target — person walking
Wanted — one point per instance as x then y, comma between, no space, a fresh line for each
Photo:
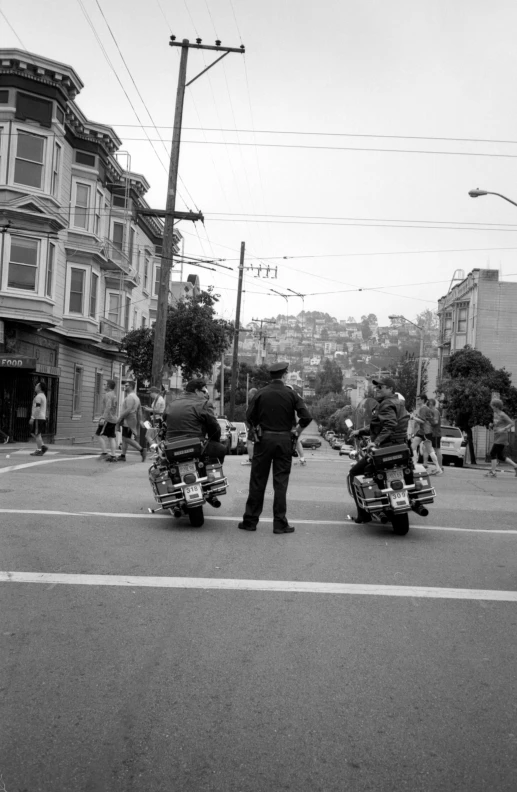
272,415
436,432
155,412
38,419
108,422
130,419
502,424
250,440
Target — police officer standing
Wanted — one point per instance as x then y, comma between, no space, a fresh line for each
273,413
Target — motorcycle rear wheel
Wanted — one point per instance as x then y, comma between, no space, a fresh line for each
196,516
400,523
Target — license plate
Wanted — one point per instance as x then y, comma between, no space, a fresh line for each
394,475
399,499
446,445
187,467
193,492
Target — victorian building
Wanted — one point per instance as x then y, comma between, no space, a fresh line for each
79,262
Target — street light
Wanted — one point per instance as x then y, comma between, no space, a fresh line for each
420,356
479,193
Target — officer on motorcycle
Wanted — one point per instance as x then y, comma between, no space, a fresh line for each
190,416
388,427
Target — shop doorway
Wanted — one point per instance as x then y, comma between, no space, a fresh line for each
16,395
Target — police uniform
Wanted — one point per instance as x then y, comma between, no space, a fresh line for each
273,414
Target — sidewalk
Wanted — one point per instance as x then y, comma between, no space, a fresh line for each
68,450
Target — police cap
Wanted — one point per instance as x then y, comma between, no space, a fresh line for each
279,367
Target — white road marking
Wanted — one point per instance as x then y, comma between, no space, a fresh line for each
266,520
136,581
47,462
28,452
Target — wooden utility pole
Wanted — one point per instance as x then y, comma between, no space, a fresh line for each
235,362
170,210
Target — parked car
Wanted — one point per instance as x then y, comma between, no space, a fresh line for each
453,445
345,449
328,436
242,437
311,442
226,433
336,442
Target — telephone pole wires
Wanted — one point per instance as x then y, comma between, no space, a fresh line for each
235,362
170,210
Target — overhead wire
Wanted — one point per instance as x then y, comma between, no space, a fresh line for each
12,28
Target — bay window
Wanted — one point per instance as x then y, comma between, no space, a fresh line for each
23,264
113,307
51,254
82,203
93,295
56,166
30,154
76,296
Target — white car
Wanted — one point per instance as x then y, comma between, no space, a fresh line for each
345,449
453,445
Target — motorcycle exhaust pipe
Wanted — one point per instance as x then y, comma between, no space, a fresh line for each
419,509
215,502
176,513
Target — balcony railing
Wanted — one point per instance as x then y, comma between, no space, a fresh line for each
112,330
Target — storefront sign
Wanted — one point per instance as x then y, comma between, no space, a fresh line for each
53,371
17,362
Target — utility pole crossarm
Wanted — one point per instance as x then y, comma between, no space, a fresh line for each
198,45
176,215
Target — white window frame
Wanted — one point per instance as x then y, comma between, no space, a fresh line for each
97,217
109,293
87,286
127,312
7,260
49,287
79,183
29,130
147,266
156,281
3,153
95,315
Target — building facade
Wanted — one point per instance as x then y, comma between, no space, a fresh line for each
78,261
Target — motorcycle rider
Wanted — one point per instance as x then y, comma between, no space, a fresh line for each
190,416
388,427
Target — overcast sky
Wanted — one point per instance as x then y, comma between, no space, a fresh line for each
334,210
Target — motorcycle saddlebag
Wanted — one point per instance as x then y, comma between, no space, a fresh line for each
182,449
390,456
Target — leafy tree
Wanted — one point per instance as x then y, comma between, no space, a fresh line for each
194,338
366,330
253,376
324,334
469,381
427,319
326,406
329,379
405,373
351,320
371,319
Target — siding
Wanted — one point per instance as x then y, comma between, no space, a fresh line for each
80,429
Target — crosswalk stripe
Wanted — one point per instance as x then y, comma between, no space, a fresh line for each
226,584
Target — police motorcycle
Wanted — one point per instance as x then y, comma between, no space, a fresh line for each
183,478
392,486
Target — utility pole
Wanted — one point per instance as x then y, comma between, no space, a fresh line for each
170,210
262,336
235,362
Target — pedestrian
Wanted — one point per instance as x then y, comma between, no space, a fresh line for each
106,430
130,419
250,438
502,424
155,412
272,415
38,419
423,418
298,445
436,431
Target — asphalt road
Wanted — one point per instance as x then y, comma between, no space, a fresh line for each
144,654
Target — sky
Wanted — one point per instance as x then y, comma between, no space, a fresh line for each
340,148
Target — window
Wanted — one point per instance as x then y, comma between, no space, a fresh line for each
131,244
93,295
28,167
56,165
144,321
448,323
462,320
146,272
33,108
76,299
135,319
60,115
118,235
82,158
113,307
97,216
127,313
51,253
120,201
23,264
157,281
82,203
99,382
77,391
4,97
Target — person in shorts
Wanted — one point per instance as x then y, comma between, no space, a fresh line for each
502,424
130,419
107,424
436,431
38,419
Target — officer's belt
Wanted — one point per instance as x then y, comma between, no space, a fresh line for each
273,431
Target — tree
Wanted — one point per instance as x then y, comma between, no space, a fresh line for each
371,319
194,339
351,320
405,373
330,379
327,406
470,380
427,319
366,330
251,376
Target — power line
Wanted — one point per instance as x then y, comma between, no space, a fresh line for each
12,29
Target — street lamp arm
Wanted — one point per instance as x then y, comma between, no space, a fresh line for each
479,193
